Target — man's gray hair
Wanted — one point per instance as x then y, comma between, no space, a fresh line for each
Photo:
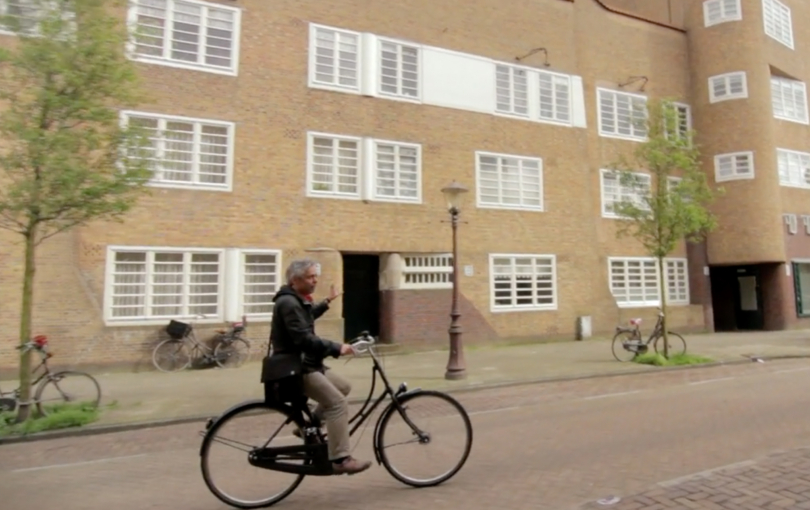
299,267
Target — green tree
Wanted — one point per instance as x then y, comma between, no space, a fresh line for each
66,159
672,197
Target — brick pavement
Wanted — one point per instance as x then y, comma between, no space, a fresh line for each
551,446
778,481
150,396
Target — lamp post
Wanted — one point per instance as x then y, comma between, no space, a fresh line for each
456,366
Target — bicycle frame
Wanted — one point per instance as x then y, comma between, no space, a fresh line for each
636,330
44,356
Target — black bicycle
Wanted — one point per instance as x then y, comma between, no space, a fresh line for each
628,340
303,450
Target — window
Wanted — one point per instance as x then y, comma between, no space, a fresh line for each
185,152
634,281
260,280
734,166
794,168
511,87
721,11
622,115
789,99
186,33
513,182
336,168
724,87
399,70
162,284
792,223
777,20
29,13
424,271
523,282
396,171
334,58
614,192
152,285
683,120
801,286
555,97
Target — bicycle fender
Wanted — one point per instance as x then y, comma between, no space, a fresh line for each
388,410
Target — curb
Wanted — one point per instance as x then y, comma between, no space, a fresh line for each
126,427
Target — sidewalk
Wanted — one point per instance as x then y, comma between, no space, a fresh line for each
156,396
776,481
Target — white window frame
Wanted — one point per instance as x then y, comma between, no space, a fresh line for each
428,271
778,22
652,295
366,169
726,79
4,4
231,284
520,308
786,163
556,80
240,281
166,59
372,174
512,90
624,192
785,91
125,116
314,29
310,181
719,159
602,95
725,16
399,94
500,157
150,251
683,114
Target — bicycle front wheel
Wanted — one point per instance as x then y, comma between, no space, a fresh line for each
446,438
224,456
231,354
67,389
171,355
676,345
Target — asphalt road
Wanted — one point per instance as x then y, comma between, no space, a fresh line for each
550,446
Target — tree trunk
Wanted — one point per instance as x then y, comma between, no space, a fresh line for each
662,278
25,326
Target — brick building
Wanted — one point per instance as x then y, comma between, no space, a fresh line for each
327,128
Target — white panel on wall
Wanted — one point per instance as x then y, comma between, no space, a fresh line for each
456,80
369,56
578,116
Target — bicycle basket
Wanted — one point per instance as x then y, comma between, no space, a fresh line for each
177,330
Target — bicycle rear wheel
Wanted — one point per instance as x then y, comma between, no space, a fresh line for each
446,425
231,354
626,344
224,456
67,389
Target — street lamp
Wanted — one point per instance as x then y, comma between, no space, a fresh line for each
456,367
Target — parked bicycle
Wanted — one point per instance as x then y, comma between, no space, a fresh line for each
230,349
631,342
53,388
303,450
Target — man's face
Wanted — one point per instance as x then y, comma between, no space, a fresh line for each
307,283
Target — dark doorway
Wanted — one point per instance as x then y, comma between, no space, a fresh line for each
737,298
361,298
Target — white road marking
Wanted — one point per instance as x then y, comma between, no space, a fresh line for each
789,370
693,383
74,464
488,411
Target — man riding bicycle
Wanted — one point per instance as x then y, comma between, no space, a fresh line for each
292,331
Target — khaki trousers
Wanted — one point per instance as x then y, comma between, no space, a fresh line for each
329,390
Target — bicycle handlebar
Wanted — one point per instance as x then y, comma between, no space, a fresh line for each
362,343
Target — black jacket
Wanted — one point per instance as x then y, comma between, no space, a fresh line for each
292,330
